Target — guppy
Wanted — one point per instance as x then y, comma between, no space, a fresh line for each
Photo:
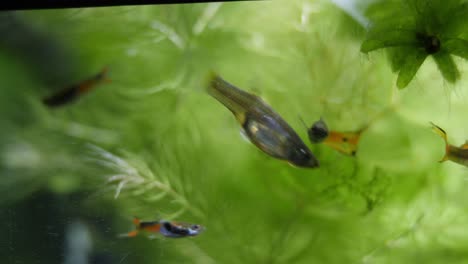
166,228
344,142
73,92
456,154
262,125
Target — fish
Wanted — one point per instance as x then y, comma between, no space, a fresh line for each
73,92
265,128
456,154
166,228
344,142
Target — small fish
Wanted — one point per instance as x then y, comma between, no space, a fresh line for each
165,228
73,92
344,142
456,154
262,125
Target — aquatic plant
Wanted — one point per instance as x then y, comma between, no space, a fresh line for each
414,30
154,144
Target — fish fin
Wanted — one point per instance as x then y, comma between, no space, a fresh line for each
102,76
344,148
444,158
464,145
346,143
241,117
133,233
136,221
439,131
235,99
87,85
443,135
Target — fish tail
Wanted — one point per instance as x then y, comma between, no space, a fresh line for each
236,100
439,131
133,233
102,75
89,84
136,222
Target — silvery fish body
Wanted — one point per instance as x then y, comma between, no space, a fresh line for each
262,125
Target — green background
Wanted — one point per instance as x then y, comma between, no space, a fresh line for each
154,144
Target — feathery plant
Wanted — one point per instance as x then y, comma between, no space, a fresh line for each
135,178
162,148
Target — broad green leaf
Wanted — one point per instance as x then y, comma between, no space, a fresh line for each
457,46
398,37
392,23
456,21
447,66
410,67
397,57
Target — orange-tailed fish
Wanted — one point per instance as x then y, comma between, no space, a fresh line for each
73,92
344,142
165,228
262,125
453,153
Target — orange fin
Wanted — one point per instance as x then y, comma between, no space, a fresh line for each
464,145
136,221
444,158
102,76
133,233
439,131
344,142
443,135
89,84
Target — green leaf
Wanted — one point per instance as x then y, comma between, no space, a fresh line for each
392,38
455,20
457,46
447,66
397,56
410,67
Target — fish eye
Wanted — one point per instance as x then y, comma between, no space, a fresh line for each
196,227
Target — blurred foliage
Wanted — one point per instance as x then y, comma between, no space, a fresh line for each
153,144
415,29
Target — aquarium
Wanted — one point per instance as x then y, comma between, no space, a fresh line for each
304,131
